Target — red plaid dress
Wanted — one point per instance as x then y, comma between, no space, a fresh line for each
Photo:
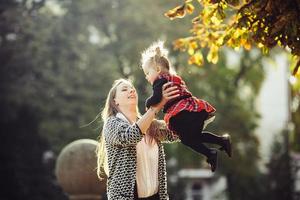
190,103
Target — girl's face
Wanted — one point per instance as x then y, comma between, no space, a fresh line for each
151,72
126,95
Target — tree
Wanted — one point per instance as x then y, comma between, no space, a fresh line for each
69,52
223,85
280,176
24,175
26,172
238,24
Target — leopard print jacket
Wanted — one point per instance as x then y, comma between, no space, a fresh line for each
121,138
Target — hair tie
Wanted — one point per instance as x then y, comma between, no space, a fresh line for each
158,51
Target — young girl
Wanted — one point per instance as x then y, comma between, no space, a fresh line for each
185,115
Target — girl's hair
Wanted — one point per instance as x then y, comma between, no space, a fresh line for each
111,109
156,55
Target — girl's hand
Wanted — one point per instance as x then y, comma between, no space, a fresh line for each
183,85
169,92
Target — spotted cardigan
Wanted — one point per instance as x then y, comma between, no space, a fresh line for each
121,138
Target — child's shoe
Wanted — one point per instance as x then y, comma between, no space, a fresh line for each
226,145
213,160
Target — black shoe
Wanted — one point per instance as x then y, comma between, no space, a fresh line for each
227,144
213,160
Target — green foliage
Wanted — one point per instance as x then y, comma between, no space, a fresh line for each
280,175
27,171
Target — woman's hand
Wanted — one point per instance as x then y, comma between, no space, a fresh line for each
169,92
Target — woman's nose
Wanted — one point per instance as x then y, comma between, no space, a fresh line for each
132,91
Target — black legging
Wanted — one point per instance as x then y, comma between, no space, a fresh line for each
189,126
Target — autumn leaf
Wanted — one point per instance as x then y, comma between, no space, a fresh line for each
190,8
240,24
215,20
196,19
177,12
196,59
247,45
192,47
296,70
180,44
213,56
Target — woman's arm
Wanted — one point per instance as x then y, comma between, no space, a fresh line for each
170,137
159,130
121,133
168,93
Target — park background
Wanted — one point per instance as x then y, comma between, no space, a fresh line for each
60,58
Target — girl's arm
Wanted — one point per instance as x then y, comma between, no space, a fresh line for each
156,97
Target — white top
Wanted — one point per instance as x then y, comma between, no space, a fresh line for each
147,166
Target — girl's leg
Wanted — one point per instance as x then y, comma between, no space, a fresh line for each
224,141
186,124
192,124
195,145
188,137
189,127
209,137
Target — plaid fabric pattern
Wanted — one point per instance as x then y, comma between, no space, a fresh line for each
191,103
176,80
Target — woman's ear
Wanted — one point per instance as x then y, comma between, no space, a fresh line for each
157,68
116,103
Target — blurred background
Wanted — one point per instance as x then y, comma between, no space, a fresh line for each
59,60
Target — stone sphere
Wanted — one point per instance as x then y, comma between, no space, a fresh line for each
76,169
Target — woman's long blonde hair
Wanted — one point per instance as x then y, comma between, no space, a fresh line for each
111,109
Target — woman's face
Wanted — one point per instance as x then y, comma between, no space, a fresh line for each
126,95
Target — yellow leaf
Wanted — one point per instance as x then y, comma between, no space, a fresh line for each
215,20
202,43
177,12
260,45
237,33
279,43
265,50
192,47
190,8
191,51
220,41
180,44
197,59
247,45
196,19
213,56
296,70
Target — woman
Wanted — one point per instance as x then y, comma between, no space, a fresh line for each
136,166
